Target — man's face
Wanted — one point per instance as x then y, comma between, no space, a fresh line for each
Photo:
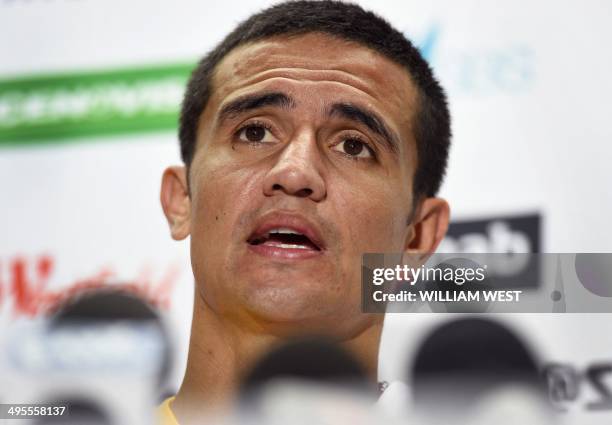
305,159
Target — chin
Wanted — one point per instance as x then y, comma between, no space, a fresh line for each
287,313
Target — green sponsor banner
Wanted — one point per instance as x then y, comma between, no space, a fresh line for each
63,107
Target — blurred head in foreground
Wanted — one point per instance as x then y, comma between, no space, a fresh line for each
313,133
100,357
474,367
110,305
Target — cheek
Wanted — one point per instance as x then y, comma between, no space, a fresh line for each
220,192
374,216
220,185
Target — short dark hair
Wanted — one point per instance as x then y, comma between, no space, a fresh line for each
349,22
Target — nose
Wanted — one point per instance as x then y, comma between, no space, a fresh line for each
296,172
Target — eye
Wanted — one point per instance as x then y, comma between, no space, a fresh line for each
355,148
255,133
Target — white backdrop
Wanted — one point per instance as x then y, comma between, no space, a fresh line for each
529,89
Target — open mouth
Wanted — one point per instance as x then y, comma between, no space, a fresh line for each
284,238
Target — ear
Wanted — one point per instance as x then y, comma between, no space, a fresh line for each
428,227
175,201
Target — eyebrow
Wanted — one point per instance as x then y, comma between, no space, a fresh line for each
368,118
250,102
345,110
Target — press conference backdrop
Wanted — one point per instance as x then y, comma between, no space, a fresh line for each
89,94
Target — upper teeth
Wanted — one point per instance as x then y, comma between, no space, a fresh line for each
285,231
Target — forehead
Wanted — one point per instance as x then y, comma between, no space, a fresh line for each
348,68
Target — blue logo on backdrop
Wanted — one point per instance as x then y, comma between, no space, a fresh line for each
505,68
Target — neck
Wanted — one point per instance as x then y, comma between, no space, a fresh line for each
221,352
